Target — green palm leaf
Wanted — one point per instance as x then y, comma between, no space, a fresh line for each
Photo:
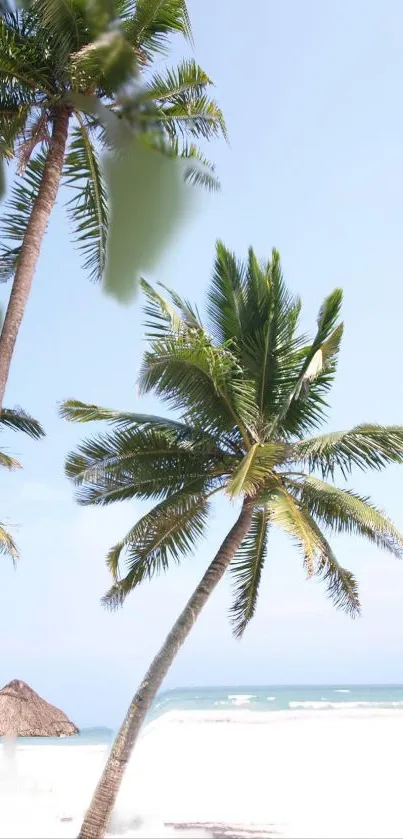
165,319
198,170
76,411
365,446
246,569
65,23
226,296
304,405
169,531
14,222
19,420
201,381
146,462
343,511
341,584
151,23
87,209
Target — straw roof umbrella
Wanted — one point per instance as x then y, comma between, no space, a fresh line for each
23,713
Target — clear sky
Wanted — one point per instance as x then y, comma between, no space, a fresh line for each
312,96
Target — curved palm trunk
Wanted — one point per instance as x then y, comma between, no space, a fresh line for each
97,817
31,245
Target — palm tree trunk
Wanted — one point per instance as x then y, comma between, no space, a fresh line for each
97,817
31,244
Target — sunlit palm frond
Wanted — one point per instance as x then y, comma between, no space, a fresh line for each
288,515
7,545
341,585
8,462
304,406
344,511
246,569
256,468
165,318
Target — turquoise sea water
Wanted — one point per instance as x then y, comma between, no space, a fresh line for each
270,698
280,698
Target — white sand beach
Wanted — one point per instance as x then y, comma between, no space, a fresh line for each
325,774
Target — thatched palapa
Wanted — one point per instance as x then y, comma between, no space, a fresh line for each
23,713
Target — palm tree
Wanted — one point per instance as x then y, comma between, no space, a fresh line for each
63,67
17,420
248,391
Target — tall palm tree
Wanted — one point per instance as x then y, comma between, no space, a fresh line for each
17,420
249,390
65,68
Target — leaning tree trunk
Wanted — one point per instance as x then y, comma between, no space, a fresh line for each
97,817
31,244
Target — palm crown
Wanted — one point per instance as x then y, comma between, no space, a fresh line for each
81,56
249,392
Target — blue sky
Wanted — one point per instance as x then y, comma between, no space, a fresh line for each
312,96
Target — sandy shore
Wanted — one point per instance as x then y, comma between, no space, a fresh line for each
320,775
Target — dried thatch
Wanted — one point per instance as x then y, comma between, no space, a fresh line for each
23,713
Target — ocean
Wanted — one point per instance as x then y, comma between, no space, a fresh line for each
292,761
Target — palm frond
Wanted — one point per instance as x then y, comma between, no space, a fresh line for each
65,23
344,511
364,446
87,209
226,295
13,120
198,170
269,345
246,569
304,405
18,420
201,381
152,22
191,114
341,585
76,411
24,65
106,63
8,462
168,532
14,222
7,545
165,319
256,468
187,77
287,514
144,462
